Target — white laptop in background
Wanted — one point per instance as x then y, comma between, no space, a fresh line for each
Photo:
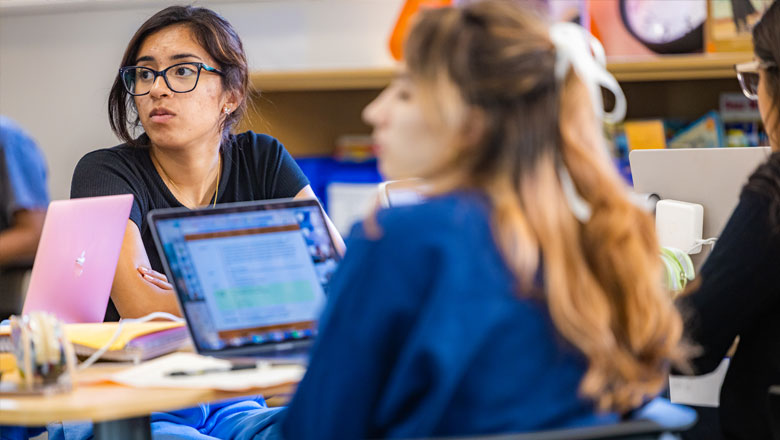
711,177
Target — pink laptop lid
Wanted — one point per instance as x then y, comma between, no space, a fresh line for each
77,256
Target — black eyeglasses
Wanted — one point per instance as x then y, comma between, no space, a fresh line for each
747,74
180,78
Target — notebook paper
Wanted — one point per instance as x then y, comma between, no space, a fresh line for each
155,374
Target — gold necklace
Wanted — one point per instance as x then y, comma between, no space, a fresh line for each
219,173
176,187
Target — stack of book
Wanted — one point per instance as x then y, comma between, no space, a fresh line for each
138,341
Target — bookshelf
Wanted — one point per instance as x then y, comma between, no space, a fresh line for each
308,110
676,67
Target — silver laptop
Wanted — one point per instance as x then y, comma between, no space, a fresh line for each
251,278
711,177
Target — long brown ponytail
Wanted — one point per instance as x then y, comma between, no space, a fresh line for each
602,276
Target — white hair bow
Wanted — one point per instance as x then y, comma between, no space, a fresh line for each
576,47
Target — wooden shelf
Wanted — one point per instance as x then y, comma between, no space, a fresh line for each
676,67
309,110
625,69
313,80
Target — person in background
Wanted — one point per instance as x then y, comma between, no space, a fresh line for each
24,196
184,80
738,292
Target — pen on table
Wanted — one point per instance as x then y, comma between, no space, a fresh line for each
212,370
260,365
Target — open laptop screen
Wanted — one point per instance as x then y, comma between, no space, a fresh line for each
248,274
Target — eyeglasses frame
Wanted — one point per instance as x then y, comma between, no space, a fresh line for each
750,67
164,74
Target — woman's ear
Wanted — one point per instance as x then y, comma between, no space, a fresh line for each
474,126
232,100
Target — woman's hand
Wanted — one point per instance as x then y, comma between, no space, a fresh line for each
154,277
137,289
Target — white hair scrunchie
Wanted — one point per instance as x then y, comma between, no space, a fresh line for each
575,47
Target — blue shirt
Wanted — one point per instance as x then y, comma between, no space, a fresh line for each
425,334
23,182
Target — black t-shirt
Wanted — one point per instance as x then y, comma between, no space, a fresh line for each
739,295
254,167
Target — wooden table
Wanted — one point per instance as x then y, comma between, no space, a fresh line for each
119,412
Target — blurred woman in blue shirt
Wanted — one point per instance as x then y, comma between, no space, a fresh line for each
525,293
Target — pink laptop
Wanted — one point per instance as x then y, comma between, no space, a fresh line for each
77,256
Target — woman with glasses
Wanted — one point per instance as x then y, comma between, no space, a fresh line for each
183,84
739,290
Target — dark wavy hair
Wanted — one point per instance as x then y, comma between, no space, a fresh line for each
766,45
214,34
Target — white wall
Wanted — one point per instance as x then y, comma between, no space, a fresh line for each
57,64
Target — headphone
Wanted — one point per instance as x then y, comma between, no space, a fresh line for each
678,267
44,356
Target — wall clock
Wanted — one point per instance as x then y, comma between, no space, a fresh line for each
666,26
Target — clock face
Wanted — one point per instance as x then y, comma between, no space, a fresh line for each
663,21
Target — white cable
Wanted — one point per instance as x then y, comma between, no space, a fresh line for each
96,355
710,241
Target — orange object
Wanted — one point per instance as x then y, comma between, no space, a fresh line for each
593,27
647,134
402,24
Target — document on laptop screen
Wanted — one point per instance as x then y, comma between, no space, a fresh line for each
250,277
256,276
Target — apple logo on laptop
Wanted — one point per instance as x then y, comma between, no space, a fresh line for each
78,269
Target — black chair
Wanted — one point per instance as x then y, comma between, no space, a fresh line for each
774,410
12,288
658,420
628,430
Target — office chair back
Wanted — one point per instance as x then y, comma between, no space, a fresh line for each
774,410
658,420
400,192
13,284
